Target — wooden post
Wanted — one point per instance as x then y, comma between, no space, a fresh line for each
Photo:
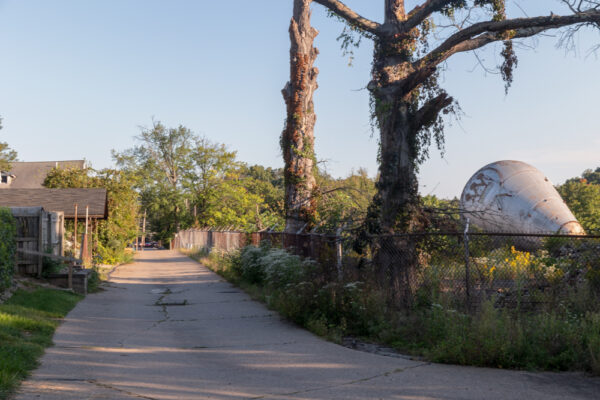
40,242
50,231
339,254
144,232
70,275
85,245
75,233
96,238
467,266
61,233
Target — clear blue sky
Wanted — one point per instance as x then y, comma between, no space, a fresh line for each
78,78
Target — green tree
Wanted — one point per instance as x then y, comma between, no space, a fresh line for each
267,184
344,201
159,165
592,176
121,227
184,180
7,155
583,198
212,165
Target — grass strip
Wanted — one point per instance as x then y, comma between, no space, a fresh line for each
27,323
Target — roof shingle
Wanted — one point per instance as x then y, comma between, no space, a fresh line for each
58,200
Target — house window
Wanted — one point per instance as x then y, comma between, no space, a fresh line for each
4,179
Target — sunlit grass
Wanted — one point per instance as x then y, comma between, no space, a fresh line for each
27,323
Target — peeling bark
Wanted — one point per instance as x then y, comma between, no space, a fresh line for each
297,139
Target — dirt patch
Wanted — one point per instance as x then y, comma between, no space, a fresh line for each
374,348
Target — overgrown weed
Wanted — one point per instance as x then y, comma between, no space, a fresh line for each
565,336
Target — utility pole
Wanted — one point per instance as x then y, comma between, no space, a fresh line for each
144,231
85,242
75,234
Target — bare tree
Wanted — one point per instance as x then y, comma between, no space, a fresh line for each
407,102
297,139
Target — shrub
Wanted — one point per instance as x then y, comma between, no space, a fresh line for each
8,247
282,268
50,265
251,269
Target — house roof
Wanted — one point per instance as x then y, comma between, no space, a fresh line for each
59,200
31,174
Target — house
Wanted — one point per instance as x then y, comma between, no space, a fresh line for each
59,200
24,187
31,174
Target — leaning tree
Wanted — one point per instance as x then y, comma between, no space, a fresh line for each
297,139
408,103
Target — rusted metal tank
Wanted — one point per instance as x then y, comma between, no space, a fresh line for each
512,196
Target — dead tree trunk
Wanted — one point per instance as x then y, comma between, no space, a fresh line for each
297,139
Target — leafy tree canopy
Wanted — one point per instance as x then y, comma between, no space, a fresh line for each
120,227
582,195
186,180
7,155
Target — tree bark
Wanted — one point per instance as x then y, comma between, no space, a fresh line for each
297,139
396,202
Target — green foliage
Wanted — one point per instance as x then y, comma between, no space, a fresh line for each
266,183
8,247
7,155
120,227
293,287
343,201
583,198
27,322
158,166
51,266
592,177
186,180
555,341
563,333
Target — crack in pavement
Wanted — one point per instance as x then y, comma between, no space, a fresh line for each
223,301
226,318
156,323
353,382
92,382
245,346
127,392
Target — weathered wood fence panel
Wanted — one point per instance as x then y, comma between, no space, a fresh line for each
37,231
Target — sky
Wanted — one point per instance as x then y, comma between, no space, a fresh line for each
80,77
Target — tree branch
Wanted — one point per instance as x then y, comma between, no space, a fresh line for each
428,113
353,18
422,12
483,33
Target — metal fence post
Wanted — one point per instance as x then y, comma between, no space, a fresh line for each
339,252
467,267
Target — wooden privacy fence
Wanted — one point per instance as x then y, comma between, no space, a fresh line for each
38,231
207,239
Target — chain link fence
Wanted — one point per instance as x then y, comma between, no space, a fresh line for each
458,270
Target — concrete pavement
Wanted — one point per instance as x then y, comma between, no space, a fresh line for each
168,328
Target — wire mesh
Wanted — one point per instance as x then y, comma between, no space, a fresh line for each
517,271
